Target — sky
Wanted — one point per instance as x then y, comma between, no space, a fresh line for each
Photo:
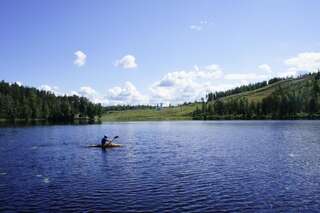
161,51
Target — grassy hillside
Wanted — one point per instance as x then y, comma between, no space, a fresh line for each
166,113
259,94
185,112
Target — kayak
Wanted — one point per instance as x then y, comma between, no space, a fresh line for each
113,145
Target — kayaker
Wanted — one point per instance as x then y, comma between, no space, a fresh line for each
104,140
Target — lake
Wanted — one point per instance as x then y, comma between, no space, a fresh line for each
163,166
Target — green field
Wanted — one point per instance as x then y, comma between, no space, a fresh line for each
166,113
185,112
259,94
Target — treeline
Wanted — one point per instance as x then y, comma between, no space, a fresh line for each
284,103
245,88
126,107
27,103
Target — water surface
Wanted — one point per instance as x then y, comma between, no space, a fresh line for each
163,166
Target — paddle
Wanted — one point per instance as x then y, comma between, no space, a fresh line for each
110,141
115,137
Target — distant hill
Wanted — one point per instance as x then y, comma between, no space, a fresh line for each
278,98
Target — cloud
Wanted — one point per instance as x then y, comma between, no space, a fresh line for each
86,90
91,94
245,76
81,58
119,95
302,63
125,94
180,86
288,73
196,27
203,22
190,85
265,67
127,62
18,83
47,88
74,93
306,61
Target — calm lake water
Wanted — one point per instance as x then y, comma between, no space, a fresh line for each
163,166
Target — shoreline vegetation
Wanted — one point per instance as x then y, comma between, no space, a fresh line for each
276,99
42,122
279,98
19,103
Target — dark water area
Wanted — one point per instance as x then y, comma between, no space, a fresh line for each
23,123
192,166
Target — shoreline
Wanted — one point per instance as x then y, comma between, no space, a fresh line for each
40,122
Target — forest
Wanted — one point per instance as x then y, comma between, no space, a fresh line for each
291,102
28,103
244,88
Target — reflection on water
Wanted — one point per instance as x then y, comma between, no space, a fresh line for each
163,166
22,123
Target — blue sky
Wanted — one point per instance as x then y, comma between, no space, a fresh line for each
166,51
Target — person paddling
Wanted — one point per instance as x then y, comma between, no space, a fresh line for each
104,140
107,143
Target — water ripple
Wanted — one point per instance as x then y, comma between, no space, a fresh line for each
163,167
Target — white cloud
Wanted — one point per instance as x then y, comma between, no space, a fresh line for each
289,73
188,85
265,67
73,93
127,62
204,22
300,64
81,58
86,90
90,93
180,86
47,88
18,83
196,27
245,77
306,61
125,94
